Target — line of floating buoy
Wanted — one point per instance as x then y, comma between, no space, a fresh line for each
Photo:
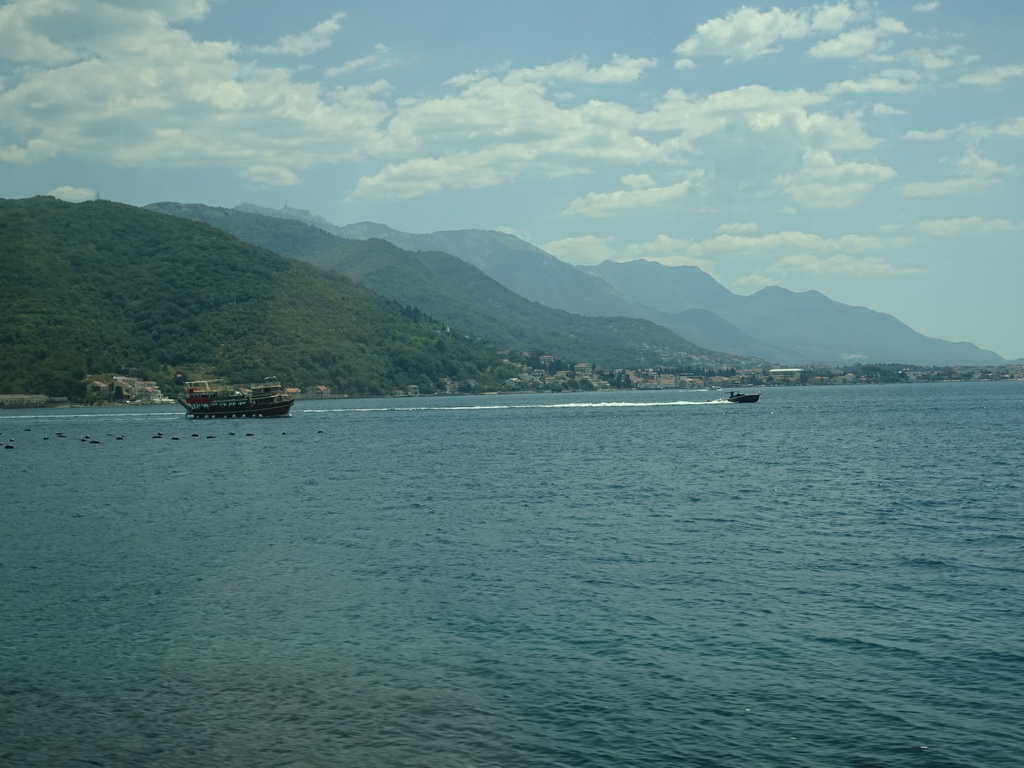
92,441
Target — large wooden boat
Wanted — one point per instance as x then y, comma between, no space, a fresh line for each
206,400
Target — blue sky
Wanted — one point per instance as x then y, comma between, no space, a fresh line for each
870,151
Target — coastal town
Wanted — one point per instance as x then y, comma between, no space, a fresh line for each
547,374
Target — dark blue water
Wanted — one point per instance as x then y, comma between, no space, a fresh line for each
830,577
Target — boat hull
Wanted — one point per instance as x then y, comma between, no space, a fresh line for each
237,410
203,400
745,398
242,407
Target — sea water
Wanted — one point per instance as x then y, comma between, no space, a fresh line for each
830,577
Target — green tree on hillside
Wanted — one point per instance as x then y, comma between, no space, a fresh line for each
93,287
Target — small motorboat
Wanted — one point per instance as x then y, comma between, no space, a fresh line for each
740,397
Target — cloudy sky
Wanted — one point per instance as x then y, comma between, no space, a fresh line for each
868,150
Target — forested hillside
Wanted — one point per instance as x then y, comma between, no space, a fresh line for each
96,287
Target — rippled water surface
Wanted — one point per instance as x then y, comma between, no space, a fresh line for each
830,577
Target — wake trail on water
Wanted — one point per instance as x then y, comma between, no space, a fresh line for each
107,414
503,407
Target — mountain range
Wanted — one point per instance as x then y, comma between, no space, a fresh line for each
773,324
463,297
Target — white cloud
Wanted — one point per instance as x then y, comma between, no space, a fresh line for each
270,176
936,135
752,141
628,201
972,164
754,104
130,89
584,250
968,225
753,282
54,32
882,110
310,41
974,174
839,264
822,182
1012,127
638,181
746,143
663,249
671,251
569,144
863,42
926,7
381,58
594,250
990,78
887,81
621,69
504,128
933,60
975,132
954,186
737,228
73,194
747,33
172,10
790,252
789,241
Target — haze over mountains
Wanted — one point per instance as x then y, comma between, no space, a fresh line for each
774,324
463,297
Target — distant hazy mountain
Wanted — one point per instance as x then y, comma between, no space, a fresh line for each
458,294
800,327
522,268
296,214
773,324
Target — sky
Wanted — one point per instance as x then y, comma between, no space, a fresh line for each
872,151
